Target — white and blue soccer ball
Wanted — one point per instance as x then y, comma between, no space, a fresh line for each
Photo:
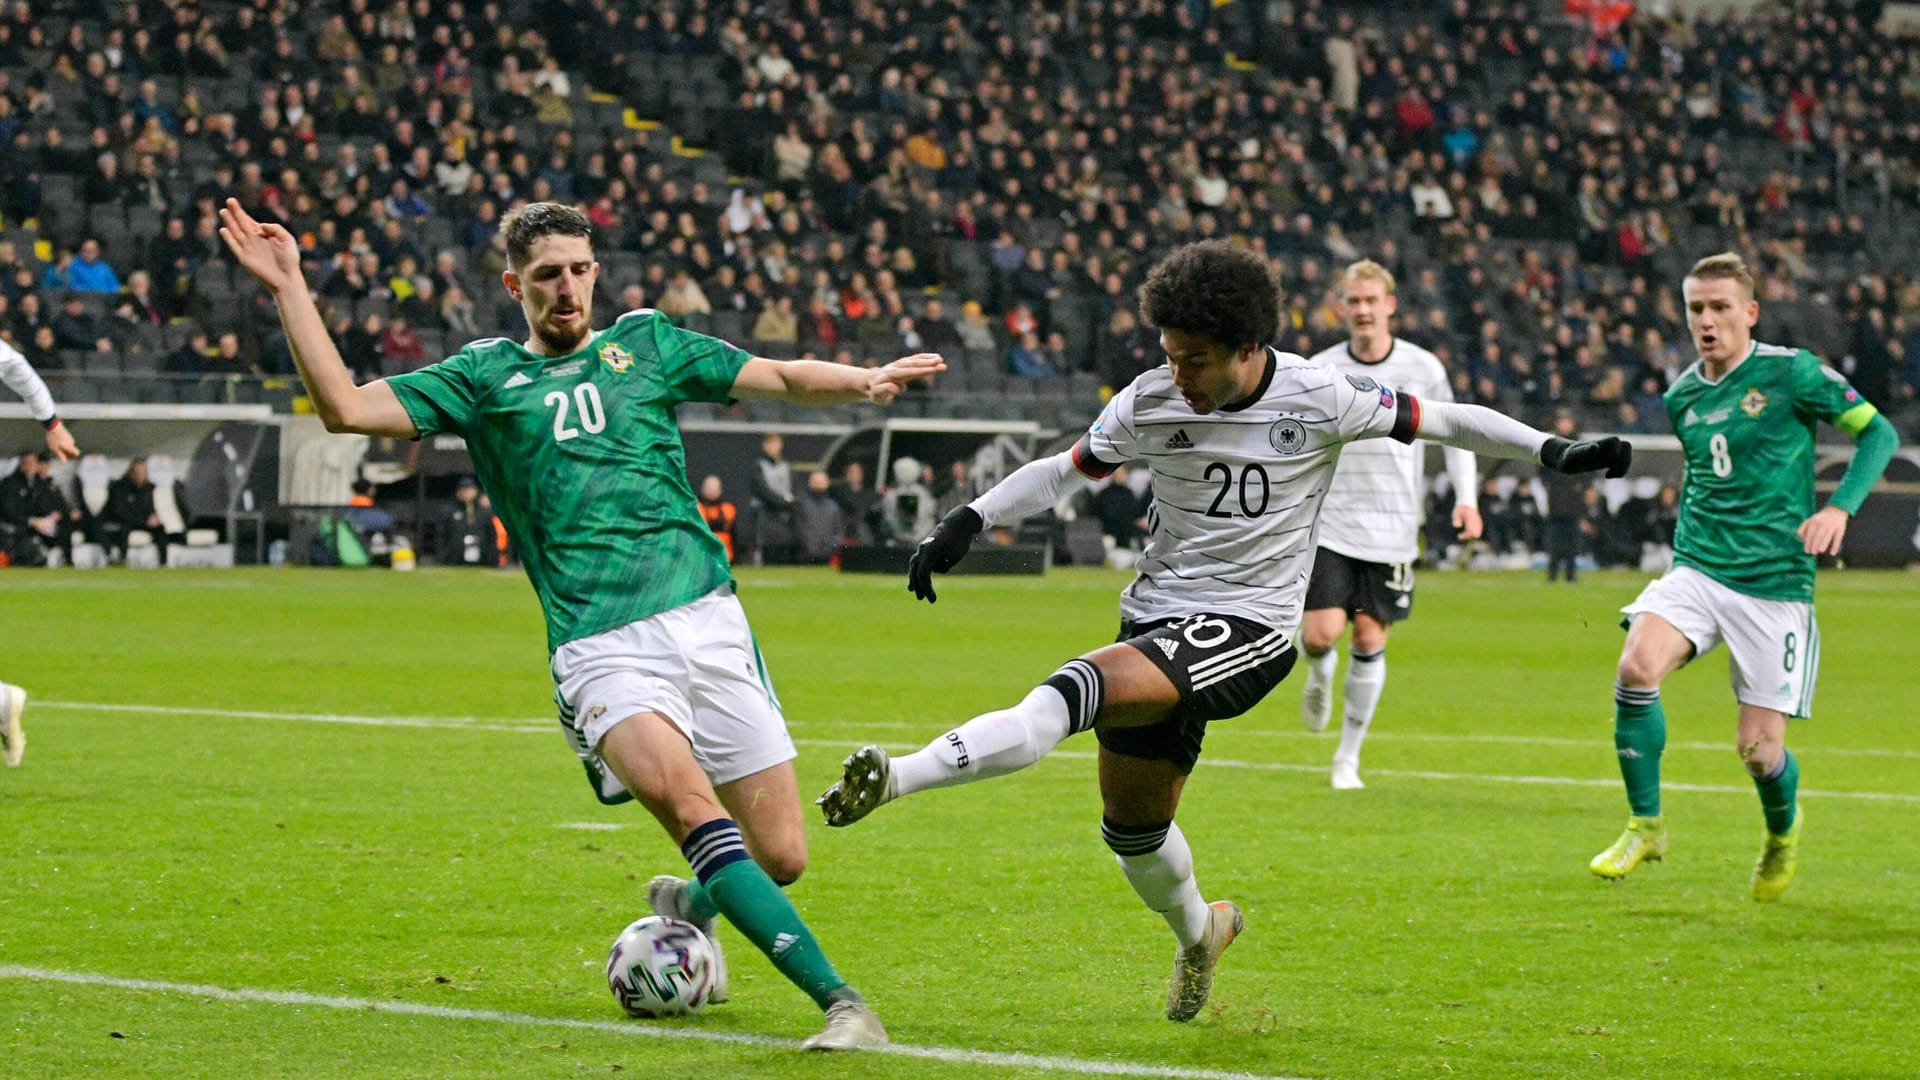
661,966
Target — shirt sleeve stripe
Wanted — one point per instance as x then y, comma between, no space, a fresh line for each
1090,466
1855,420
1406,420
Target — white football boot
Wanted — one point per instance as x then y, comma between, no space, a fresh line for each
850,1026
667,895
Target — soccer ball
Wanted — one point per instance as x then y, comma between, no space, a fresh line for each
660,967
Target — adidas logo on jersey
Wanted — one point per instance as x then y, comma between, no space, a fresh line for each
1167,646
1691,418
1179,441
518,378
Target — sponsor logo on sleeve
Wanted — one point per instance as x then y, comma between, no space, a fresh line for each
1363,384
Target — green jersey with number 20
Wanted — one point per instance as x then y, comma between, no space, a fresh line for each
581,455
1748,441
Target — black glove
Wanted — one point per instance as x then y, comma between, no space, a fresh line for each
944,547
1612,453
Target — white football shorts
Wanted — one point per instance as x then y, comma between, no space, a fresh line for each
1775,643
698,666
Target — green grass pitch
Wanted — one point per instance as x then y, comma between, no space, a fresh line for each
339,785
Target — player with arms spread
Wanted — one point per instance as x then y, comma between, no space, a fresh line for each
20,377
1370,522
660,687
1743,559
1242,441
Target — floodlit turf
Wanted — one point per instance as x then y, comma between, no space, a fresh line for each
1427,926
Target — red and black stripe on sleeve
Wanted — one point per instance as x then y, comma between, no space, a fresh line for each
1091,467
1406,418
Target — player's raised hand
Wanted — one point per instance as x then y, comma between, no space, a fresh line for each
943,548
268,251
1613,453
887,382
60,442
1823,532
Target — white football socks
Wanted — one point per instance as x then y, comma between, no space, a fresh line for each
1366,678
1163,878
1320,669
992,744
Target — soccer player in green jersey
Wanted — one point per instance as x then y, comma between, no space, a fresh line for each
660,686
1743,559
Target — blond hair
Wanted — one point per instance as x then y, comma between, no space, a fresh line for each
1367,268
1726,266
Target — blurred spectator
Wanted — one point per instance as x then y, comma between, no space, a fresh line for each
78,328
129,508
400,348
365,514
818,522
720,514
90,272
859,505
1028,360
35,518
1121,512
773,503
777,323
467,536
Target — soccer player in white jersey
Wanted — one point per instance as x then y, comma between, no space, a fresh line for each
659,684
20,377
1241,440
1370,522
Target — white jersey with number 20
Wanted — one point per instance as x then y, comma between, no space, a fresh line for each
1237,492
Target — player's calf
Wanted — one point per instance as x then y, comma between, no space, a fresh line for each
992,744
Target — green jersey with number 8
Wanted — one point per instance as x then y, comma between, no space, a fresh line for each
1748,441
581,455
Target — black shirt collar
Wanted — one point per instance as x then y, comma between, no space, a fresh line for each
1266,380
1392,344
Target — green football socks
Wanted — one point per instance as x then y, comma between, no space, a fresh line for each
1777,790
1639,736
727,881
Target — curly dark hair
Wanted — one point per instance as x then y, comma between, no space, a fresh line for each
1216,291
523,225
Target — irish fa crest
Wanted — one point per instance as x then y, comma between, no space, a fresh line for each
1754,403
1289,437
616,357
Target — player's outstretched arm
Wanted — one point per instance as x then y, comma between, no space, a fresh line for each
20,377
1484,431
811,382
1031,488
1875,443
272,255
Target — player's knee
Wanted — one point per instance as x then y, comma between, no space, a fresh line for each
784,865
1759,756
1316,640
1638,671
1368,638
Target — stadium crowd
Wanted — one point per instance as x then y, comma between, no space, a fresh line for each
854,180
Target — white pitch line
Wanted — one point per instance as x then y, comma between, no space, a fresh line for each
462,723
1489,778
950,1055
1231,730
468,724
